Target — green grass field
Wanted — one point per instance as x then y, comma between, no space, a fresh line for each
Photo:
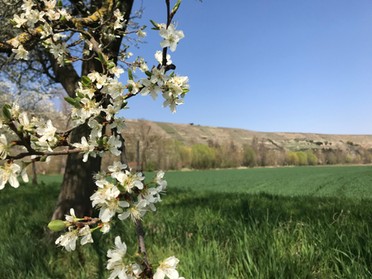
306,222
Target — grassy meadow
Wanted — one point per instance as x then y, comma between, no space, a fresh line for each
304,222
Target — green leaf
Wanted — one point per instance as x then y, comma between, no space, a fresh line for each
85,81
130,74
59,4
101,58
110,64
80,95
73,101
155,24
175,8
57,225
123,105
7,111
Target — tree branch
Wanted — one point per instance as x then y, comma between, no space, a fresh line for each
39,153
142,248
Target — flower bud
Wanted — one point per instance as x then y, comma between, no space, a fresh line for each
57,225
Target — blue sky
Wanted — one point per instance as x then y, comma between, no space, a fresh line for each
269,65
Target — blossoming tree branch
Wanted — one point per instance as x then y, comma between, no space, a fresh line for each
96,98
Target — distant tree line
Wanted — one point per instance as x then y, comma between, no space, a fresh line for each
153,152
230,155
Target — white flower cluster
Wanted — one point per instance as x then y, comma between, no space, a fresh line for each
33,17
116,263
125,195
68,240
173,88
98,99
37,134
122,270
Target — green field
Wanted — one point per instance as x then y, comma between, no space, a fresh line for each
305,222
353,182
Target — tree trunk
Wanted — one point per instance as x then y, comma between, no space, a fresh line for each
78,184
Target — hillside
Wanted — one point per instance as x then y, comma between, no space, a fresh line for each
190,134
175,146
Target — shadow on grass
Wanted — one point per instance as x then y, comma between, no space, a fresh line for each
198,225
269,207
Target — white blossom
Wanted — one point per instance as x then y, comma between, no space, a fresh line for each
106,198
158,76
96,127
68,240
149,88
116,255
114,88
141,33
9,173
53,15
133,86
87,92
58,50
119,22
111,111
141,64
64,14
25,122
175,87
105,228
117,71
149,197
72,217
4,147
167,268
27,6
20,52
171,36
135,212
99,79
113,145
110,208
116,169
105,192
159,57
34,16
118,123
24,175
15,111
46,130
19,20
86,234
159,179
50,5
88,108
116,262
129,180
85,147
